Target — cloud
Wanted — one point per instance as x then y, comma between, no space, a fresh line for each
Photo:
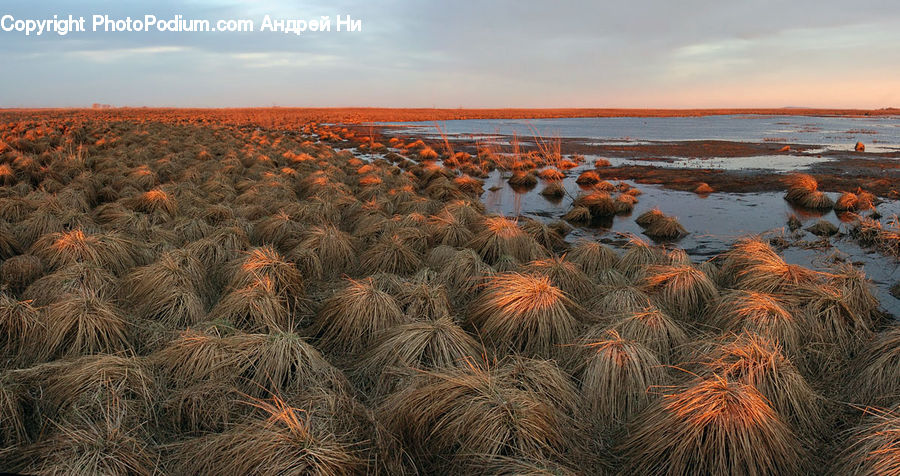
468,53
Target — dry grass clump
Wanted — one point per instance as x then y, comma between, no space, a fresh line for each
639,255
156,202
283,363
593,257
834,320
169,290
858,291
875,376
563,274
447,229
257,306
279,230
874,446
619,298
81,324
762,314
453,418
588,177
335,248
82,447
578,215
803,191
283,440
772,275
601,204
551,174
554,190
665,228
684,291
110,251
19,323
618,377
404,349
654,330
551,237
465,273
390,254
744,253
97,386
266,264
524,312
502,236
649,217
424,297
756,361
712,426
13,399
350,320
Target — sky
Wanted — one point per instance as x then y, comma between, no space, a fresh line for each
462,53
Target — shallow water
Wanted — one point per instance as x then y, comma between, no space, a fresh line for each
776,163
714,223
880,134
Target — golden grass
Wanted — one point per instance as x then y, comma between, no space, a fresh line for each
654,330
335,248
404,349
762,314
665,228
447,229
465,274
390,254
350,320
712,426
874,377
284,440
563,274
760,363
19,322
256,307
502,236
874,445
684,291
592,257
445,418
525,313
81,324
618,377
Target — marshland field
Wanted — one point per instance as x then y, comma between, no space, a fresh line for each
507,292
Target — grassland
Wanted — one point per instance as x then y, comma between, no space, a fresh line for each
236,292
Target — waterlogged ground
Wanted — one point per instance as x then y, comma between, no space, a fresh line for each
714,221
832,133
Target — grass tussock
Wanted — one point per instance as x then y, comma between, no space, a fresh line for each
503,237
654,330
350,320
460,416
761,314
564,274
618,377
684,291
407,348
875,375
712,426
874,445
593,257
283,440
803,192
524,312
760,363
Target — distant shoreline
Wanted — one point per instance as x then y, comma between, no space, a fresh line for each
365,115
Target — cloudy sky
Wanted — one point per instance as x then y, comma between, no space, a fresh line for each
467,53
